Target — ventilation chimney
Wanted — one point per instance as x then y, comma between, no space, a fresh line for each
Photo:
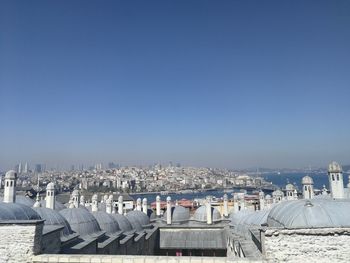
168,209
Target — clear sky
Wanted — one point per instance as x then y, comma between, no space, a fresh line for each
207,83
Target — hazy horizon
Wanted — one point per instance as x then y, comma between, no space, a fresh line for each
229,84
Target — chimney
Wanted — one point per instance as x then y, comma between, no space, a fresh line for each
94,203
10,187
120,205
225,213
50,195
158,206
144,205
168,210
138,204
209,217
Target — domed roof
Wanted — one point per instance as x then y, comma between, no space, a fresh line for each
123,222
50,186
137,219
236,217
58,205
178,214
267,197
307,180
107,222
23,200
334,167
15,211
81,221
12,175
290,187
310,214
201,214
277,192
52,217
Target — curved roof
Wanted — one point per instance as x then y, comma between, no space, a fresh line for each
52,217
236,217
81,221
290,187
12,175
23,200
277,192
334,167
137,219
107,222
307,180
15,211
50,186
123,222
315,213
201,214
178,214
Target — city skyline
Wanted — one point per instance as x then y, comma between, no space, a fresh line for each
203,84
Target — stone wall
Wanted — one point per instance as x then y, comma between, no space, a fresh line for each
19,242
134,259
51,242
311,245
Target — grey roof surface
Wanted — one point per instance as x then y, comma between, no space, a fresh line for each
192,238
21,199
123,222
107,222
81,221
15,211
58,205
315,213
137,219
244,223
53,217
178,214
201,214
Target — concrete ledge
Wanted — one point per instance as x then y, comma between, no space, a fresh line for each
63,258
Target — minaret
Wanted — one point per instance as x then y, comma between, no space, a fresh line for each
138,204
94,203
335,175
144,205
225,212
50,195
168,210
20,168
208,206
120,205
10,187
308,187
158,206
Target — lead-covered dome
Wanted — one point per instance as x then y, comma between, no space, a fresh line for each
123,222
81,221
290,187
52,217
178,214
307,180
23,200
106,222
58,205
315,213
201,214
137,219
14,211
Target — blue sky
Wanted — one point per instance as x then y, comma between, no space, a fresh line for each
208,83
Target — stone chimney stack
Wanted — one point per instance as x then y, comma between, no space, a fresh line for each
144,205
209,213
50,195
168,210
120,205
10,187
225,212
94,203
138,204
158,206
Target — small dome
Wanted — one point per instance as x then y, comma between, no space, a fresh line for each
12,175
53,217
201,214
137,219
307,180
50,186
290,187
334,167
15,211
268,197
277,193
310,214
107,222
123,222
178,214
81,221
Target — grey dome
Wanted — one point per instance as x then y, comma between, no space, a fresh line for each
81,221
290,187
277,193
107,222
12,175
52,217
236,217
58,205
310,214
23,200
14,211
178,214
243,221
123,222
201,214
137,219
307,180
